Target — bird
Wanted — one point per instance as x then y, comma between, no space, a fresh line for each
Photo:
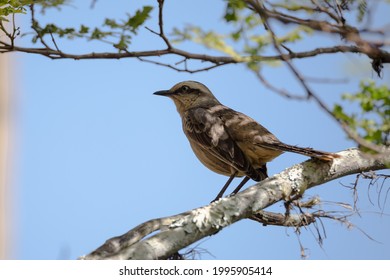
226,141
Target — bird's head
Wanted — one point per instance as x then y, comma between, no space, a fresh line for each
189,94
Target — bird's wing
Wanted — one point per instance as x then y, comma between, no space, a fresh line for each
209,131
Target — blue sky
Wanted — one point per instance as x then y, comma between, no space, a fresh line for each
96,153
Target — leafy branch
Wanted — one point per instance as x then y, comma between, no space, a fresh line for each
372,123
242,14
252,40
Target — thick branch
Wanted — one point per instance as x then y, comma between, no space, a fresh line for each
181,230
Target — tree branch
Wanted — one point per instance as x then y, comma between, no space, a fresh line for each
178,231
161,23
56,53
278,219
347,32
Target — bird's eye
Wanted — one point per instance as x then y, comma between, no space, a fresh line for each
185,88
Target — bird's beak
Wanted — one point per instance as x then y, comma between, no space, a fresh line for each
163,92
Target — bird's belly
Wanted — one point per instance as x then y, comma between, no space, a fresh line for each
212,162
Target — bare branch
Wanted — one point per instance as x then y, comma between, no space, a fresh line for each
375,180
277,47
178,69
337,18
347,32
277,219
279,91
161,23
54,54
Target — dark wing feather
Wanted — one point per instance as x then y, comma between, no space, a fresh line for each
209,131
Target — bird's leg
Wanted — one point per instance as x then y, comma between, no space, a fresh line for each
263,175
222,191
243,182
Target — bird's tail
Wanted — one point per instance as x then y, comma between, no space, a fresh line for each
325,156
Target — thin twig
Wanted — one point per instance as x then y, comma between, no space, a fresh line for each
280,91
284,58
54,42
161,24
185,69
324,10
34,24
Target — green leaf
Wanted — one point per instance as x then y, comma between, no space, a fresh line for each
97,34
232,9
111,23
372,122
139,18
9,7
47,4
123,43
83,29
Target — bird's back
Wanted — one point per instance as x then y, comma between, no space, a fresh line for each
250,136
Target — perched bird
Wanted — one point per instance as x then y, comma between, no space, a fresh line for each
226,141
